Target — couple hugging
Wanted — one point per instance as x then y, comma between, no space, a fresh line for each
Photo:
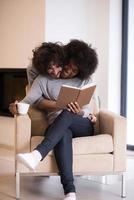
53,65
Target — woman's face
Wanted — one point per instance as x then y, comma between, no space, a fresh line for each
69,71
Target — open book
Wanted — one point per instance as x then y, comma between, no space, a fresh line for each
70,94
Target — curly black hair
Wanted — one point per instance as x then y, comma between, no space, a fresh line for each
83,56
46,54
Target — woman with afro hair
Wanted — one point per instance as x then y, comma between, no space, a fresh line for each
83,56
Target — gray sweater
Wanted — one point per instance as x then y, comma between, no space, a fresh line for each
48,88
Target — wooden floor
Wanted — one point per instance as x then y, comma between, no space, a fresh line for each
49,188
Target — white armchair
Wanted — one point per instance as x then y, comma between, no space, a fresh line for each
103,154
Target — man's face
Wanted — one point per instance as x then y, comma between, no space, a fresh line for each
69,71
54,70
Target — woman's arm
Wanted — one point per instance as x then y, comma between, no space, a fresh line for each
75,108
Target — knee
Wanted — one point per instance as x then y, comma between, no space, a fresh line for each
65,113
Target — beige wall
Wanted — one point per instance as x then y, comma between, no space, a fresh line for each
21,29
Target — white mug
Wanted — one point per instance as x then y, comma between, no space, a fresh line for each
22,108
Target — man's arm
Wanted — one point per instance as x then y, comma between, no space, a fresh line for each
31,74
46,104
35,92
33,95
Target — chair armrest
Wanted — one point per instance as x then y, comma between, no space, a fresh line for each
115,125
23,133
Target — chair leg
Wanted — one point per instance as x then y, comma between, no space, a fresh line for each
123,185
17,185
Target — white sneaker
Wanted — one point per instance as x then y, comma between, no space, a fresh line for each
30,160
70,196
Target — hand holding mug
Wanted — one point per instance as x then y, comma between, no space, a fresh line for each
13,108
19,108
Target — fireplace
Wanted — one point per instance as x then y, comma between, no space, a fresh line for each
12,87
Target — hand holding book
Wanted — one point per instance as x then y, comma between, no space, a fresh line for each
75,108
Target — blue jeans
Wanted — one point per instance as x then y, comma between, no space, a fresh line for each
59,137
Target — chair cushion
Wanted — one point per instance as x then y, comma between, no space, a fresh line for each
97,144
39,121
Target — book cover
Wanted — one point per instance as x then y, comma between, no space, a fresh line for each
70,94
